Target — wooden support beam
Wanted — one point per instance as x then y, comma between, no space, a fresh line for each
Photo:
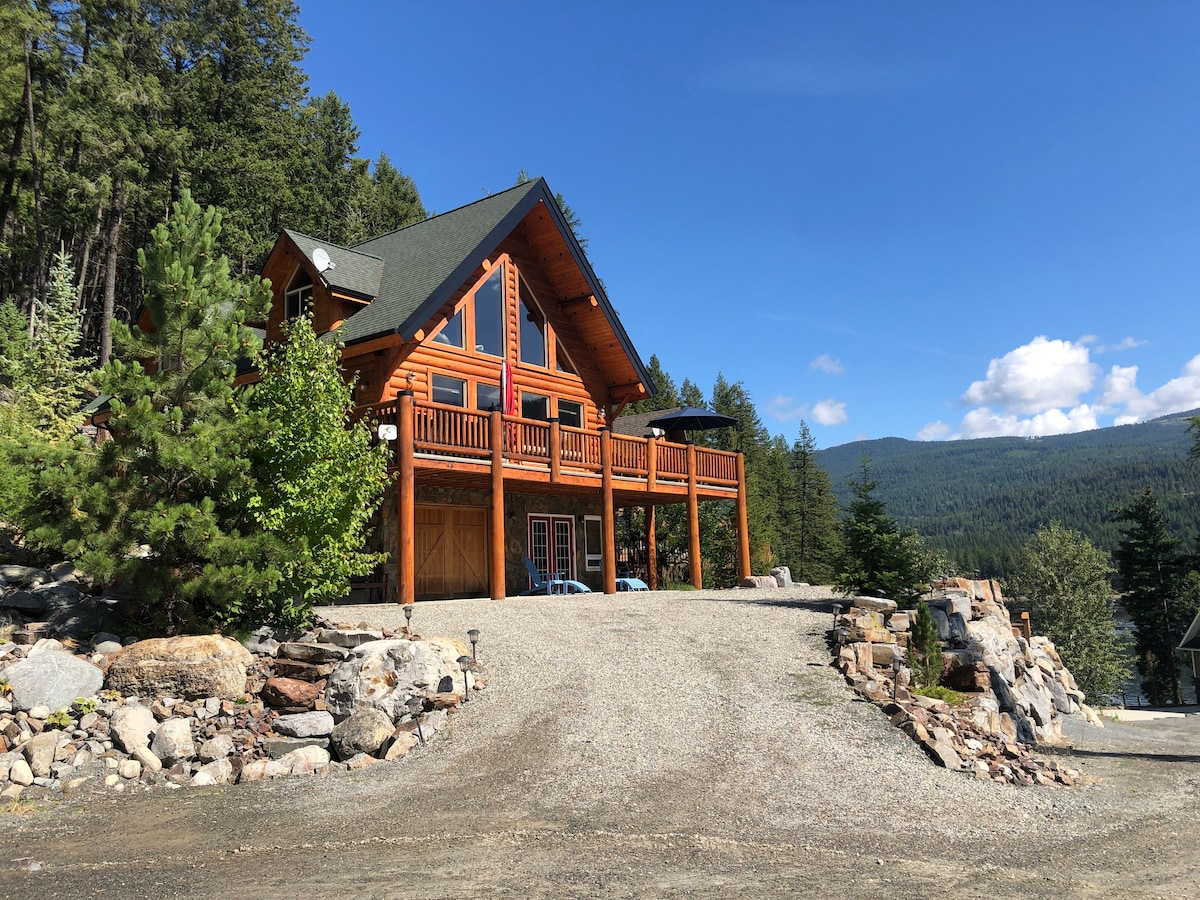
634,387
406,506
651,549
608,533
555,449
743,526
496,508
578,303
693,514
651,464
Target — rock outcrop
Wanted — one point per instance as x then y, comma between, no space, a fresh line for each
1015,688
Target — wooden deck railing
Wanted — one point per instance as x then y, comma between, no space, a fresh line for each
448,431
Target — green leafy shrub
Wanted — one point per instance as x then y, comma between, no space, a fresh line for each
60,718
84,705
937,692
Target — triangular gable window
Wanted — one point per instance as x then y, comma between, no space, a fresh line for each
562,362
489,315
451,334
533,329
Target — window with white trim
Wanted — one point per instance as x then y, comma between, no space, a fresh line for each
592,543
298,298
570,413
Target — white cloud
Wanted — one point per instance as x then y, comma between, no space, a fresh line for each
1126,343
829,412
934,431
1177,395
982,422
1035,378
830,365
785,408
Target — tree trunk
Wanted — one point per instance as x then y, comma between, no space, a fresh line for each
39,272
14,157
113,249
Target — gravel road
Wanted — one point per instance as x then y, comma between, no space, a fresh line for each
666,744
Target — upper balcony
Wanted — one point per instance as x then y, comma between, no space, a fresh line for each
454,447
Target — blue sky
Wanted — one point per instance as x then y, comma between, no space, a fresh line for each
924,220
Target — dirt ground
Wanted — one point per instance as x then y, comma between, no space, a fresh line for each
552,784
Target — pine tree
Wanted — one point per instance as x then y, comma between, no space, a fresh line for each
814,536
877,557
1154,580
925,658
161,506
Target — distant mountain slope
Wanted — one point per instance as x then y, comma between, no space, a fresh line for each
981,499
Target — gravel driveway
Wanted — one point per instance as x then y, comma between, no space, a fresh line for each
665,744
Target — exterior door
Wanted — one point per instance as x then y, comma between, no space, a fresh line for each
451,552
552,544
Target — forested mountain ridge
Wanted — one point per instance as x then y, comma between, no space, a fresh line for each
981,499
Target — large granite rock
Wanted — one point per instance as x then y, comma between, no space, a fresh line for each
759,582
132,726
173,741
302,725
186,667
384,674
54,679
363,732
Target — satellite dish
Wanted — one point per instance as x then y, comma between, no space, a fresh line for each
320,258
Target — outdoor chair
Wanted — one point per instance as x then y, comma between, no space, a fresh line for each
551,582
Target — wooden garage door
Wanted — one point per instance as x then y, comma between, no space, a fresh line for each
451,552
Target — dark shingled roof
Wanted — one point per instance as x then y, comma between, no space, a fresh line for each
352,271
426,262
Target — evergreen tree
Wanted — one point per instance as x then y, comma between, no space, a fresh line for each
925,658
1153,576
1065,578
814,538
877,557
318,477
161,505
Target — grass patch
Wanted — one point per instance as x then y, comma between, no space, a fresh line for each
679,586
937,692
809,692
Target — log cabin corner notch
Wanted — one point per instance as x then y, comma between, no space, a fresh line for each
485,337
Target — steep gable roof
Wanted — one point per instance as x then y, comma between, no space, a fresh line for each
352,271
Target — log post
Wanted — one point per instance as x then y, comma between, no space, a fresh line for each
496,508
693,515
651,463
651,549
743,526
608,534
555,450
406,509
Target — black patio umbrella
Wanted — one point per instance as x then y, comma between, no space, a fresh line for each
692,418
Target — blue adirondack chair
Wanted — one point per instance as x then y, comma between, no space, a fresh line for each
552,583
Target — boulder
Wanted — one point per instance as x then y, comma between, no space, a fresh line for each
149,759
87,616
53,679
348,638
173,741
363,732
216,748
301,725
39,751
943,753
187,667
758,582
132,726
782,576
290,693
279,748
384,674
219,771
24,576
402,742
313,653
876,604
305,760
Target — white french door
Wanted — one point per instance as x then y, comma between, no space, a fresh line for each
552,543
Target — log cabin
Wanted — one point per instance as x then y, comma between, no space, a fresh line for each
488,352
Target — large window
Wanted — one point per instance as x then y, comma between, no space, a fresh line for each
299,295
533,329
535,406
451,391
570,413
452,332
489,315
